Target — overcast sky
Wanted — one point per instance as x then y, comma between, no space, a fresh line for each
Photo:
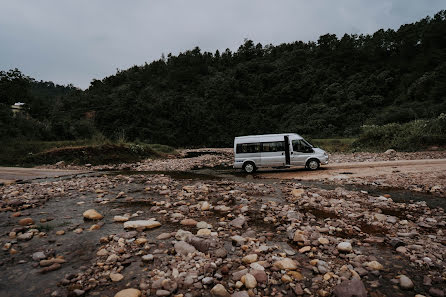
76,41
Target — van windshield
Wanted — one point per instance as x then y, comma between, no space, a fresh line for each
307,143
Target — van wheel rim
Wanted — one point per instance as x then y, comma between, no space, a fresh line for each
313,165
249,168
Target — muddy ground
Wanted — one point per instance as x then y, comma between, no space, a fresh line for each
206,230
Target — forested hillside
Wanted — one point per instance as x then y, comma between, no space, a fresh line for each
326,88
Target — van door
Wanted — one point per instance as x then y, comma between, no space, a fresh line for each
273,154
301,151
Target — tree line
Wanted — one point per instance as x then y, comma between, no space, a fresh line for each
328,88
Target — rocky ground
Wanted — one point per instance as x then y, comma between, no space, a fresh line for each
213,233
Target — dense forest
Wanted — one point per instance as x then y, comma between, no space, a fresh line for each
329,88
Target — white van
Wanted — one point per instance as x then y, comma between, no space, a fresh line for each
276,150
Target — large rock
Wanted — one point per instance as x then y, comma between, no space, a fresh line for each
238,222
406,283
128,293
189,222
345,247
219,291
249,258
351,288
374,265
285,264
249,281
183,248
26,222
92,214
142,224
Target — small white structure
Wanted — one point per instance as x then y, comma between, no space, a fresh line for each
276,150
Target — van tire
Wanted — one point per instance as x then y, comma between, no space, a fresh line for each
313,164
249,167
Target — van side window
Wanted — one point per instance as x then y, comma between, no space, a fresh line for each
278,146
248,148
300,146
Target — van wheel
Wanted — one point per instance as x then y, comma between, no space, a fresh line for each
313,164
249,167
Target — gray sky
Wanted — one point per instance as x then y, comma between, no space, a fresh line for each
76,41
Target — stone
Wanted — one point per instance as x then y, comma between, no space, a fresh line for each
374,265
238,222
164,236
305,249
207,280
116,277
238,239
102,252
435,292
220,253
142,224
162,293
26,222
249,281
50,262
260,275
240,294
238,274
128,293
120,219
250,258
50,268
204,232
147,258
345,247
37,256
297,192
183,248
323,240
25,236
60,232
390,152
188,222
92,214
205,206
351,288
219,291
405,282
285,264
299,236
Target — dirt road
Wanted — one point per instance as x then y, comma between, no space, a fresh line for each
10,175
339,171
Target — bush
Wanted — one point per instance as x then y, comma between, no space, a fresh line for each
412,136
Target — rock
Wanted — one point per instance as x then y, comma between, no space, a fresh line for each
25,236
297,192
189,222
203,225
162,293
200,244
240,294
238,274
128,293
147,258
374,265
204,232
260,275
183,248
120,219
298,290
323,240
26,222
142,224
405,282
390,152
37,256
249,281
250,258
183,235
345,247
238,222
92,214
220,253
207,280
351,288
238,239
60,232
285,264
305,249
299,236
116,277
102,252
50,268
49,262
436,292
205,206
219,291
79,292
164,236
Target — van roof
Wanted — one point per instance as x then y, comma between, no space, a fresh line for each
265,137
